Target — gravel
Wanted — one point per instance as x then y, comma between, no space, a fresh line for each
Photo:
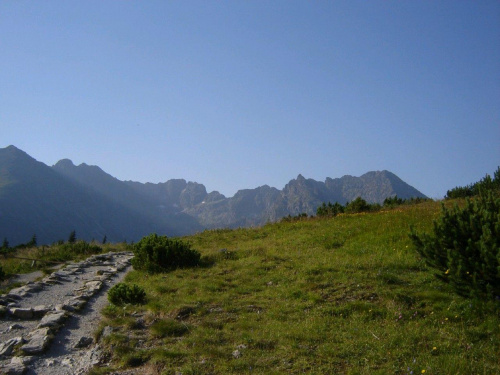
71,349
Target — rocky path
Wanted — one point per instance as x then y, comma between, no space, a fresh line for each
47,327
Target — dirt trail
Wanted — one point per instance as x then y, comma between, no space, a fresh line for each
48,326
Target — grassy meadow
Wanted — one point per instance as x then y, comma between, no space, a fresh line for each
342,295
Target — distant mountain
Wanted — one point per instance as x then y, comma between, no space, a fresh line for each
254,207
52,201
164,216
37,199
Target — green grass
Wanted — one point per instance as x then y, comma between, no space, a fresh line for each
346,295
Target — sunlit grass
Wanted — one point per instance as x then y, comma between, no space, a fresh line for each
343,295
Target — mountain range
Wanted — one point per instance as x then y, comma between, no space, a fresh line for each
53,201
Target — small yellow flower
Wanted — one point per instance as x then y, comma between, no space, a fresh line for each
447,272
445,318
434,348
423,371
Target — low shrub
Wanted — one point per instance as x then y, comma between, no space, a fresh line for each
330,209
465,247
2,274
122,294
155,253
360,205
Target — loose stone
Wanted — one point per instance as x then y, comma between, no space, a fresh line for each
52,319
22,313
38,342
83,342
7,347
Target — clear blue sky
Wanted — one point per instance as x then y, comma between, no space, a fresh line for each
238,94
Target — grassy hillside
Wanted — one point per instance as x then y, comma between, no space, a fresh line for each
343,295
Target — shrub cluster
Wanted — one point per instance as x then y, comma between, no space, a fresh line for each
465,247
291,219
484,185
330,209
360,205
122,294
155,253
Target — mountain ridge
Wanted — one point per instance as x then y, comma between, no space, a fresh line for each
52,201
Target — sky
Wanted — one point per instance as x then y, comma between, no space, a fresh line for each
239,94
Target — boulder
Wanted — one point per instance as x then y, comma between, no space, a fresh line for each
38,341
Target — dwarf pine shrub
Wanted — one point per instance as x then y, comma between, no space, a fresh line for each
465,247
155,253
122,294
330,209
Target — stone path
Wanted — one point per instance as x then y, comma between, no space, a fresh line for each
47,327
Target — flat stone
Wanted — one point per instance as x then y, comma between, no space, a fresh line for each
68,362
17,292
14,368
33,287
108,330
52,319
83,342
75,303
93,286
7,347
38,342
40,310
14,326
22,313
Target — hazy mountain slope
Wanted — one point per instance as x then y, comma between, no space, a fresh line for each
163,215
35,199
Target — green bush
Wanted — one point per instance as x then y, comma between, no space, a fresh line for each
155,253
465,247
484,185
330,209
360,205
2,274
122,294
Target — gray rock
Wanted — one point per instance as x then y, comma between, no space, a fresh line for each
83,342
14,326
33,287
22,313
40,310
75,303
18,293
52,319
38,341
7,347
108,330
93,286
15,367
